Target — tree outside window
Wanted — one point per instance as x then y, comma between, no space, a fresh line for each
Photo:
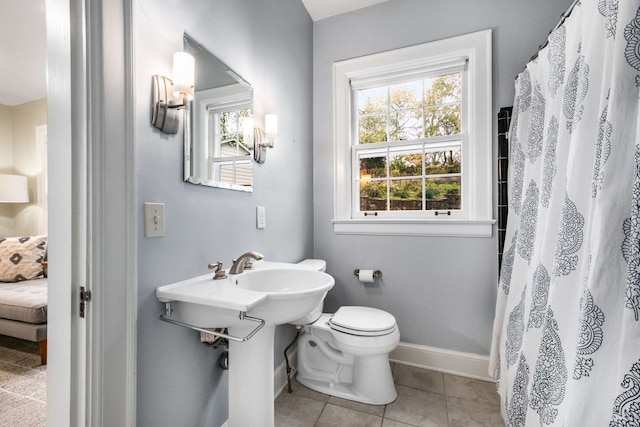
421,176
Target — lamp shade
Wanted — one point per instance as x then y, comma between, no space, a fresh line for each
271,124
183,74
13,189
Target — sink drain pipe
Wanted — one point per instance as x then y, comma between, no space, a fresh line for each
298,329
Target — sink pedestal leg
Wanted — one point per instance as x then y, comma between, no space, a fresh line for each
251,378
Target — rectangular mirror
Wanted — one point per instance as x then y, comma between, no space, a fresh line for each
215,153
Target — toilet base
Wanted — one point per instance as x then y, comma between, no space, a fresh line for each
344,391
378,389
352,367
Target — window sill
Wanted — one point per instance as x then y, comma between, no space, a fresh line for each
413,227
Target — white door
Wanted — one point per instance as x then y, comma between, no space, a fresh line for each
92,227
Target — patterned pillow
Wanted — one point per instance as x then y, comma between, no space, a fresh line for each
21,258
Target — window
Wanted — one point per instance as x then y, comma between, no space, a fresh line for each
413,140
231,161
219,155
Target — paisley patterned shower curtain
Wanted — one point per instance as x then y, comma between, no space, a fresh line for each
566,341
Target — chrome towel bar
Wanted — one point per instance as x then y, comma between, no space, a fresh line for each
242,316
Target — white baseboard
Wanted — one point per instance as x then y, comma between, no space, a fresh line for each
280,373
421,356
437,359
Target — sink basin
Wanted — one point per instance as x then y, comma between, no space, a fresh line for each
273,293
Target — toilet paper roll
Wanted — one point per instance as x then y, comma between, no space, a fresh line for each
365,276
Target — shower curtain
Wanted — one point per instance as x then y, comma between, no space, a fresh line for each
566,340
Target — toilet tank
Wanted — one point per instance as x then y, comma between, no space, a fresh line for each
317,265
314,264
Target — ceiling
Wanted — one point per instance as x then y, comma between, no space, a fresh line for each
320,9
23,44
22,52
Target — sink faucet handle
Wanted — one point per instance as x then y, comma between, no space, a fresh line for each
241,263
219,273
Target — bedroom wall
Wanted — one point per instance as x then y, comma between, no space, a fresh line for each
6,166
441,290
18,156
270,45
26,117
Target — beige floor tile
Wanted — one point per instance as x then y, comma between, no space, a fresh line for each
386,422
337,416
471,389
301,390
418,408
421,379
469,413
362,407
292,410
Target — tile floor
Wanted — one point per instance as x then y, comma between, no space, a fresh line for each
425,398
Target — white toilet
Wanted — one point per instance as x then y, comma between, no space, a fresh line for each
346,354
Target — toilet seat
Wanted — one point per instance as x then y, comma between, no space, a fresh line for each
362,321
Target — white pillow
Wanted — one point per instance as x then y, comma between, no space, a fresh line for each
21,258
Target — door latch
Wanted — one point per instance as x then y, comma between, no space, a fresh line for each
85,297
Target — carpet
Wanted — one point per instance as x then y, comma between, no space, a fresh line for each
23,384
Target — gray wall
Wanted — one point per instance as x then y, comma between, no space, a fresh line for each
441,290
270,45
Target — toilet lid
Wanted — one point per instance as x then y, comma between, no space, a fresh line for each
362,321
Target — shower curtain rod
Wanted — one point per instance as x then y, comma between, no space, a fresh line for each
563,17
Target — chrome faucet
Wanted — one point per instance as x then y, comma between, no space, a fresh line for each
241,263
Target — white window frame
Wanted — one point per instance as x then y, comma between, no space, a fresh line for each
207,103
475,50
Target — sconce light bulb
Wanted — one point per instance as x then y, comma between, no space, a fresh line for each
183,75
247,130
271,124
271,128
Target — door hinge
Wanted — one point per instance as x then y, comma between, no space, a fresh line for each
85,297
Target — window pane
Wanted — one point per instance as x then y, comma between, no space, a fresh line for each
373,100
228,124
405,125
226,173
405,96
406,195
244,174
229,148
443,89
373,196
372,129
406,161
443,193
444,120
372,165
443,160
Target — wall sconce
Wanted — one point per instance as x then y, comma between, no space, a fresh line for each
13,189
170,96
262,139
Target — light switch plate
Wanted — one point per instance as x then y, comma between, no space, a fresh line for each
261,218
154,219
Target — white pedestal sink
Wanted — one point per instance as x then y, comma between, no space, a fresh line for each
276,293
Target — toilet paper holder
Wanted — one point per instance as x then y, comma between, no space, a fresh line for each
376,273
